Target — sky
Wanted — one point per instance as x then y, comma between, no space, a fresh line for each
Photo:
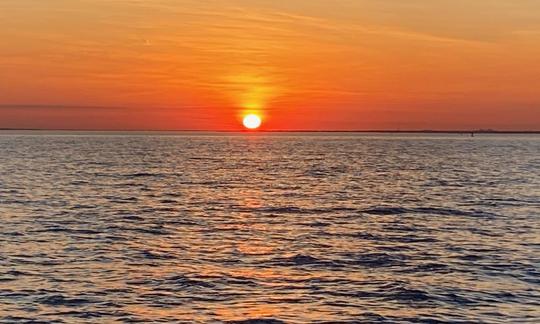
302,64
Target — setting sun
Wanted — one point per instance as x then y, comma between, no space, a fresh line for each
252,121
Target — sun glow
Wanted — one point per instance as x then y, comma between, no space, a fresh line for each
252,121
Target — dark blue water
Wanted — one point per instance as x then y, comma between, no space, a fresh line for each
294,228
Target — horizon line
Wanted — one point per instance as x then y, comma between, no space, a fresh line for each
427,131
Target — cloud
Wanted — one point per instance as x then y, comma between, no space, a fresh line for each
58,107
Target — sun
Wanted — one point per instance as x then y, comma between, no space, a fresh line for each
252,121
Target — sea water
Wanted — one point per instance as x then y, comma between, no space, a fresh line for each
269,228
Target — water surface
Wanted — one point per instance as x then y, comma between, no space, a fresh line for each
294,228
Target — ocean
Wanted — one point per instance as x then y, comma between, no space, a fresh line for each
269,228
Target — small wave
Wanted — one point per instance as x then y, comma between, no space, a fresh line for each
298,210
374,318
56,229
425,210
82,314
183,281
53,229
317,224
214,184
156,255
458,299
26,320
143,174
14,234
257,321
172,194
168,201
153,231
79,182
402,294
484,232
428,268
86,231
368,236
81,206
281,210
512,202
122,200
411,239
164,209
133,218
205,159
470,257
376,260
303,259
300,260
243,281
385,211
60,300
17,273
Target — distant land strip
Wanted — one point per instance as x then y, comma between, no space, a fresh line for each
426,131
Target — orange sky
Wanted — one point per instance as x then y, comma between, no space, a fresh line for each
302,64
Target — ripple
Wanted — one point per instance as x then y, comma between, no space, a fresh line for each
143,175
300,260
426,210
292,228
407,295
376,260
257,321
60,300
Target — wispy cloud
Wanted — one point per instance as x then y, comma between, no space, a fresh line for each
58,107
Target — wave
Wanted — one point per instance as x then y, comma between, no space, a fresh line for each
407,295
301,260
183,281
68,230
383,210
370,260
409,238
428,268
80,314
156,255
61,300
375,260
297,210
257,321
143,175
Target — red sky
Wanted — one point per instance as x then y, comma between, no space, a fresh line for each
303,64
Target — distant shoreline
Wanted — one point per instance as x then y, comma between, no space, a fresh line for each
489,131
